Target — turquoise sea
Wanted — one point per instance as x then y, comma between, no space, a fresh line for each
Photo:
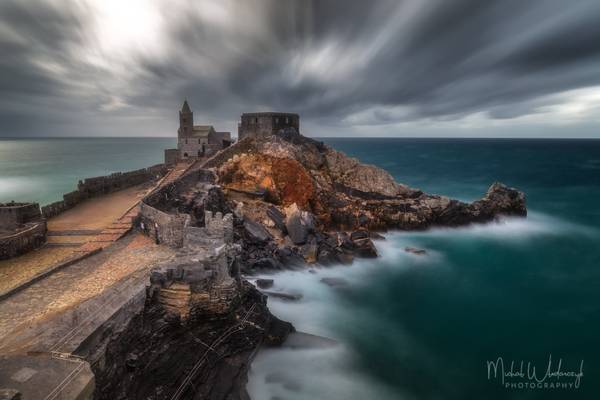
418,327
42,170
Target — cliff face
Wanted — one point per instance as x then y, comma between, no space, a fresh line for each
162,354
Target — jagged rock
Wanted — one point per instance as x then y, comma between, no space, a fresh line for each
327,256
376,236
264,283
278,332
256,232
298,224
365,248
266,263
309,252
289,257
358,235
278,218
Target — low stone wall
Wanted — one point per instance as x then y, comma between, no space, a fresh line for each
15,214
218,230
168,228
32,236
98,186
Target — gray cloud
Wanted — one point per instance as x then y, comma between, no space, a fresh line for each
349,66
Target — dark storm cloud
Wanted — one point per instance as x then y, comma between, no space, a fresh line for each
337,63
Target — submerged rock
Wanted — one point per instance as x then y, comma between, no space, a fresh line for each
414,250
264,283
284,296
303,340
335,282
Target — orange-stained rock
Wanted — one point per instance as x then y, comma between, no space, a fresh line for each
286,180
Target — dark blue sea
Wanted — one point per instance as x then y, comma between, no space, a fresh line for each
424,327
523,291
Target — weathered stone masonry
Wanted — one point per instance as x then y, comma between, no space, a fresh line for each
266,124
22,228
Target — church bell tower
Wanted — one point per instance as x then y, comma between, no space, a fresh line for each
186,120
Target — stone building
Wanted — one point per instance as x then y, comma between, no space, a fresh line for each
266,124
195,141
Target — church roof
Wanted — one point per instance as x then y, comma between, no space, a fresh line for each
202,130
186,107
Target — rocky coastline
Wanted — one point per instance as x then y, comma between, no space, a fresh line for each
280,202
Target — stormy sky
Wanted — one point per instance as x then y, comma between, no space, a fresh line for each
462,68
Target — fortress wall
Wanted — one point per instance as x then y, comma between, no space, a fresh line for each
27,239
98,186
14,214
218,230
171,156
168,228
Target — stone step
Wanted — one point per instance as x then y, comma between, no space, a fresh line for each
74,232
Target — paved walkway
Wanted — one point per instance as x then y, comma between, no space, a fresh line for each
82,230
26,318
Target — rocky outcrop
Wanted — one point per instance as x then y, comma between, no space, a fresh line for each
344,194
321,206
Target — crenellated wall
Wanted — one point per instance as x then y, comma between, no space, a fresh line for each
32,236
98,186
22,228
15,214
166,228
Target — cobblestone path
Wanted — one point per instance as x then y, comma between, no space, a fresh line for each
133,256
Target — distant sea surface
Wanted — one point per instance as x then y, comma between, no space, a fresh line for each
42,170
408,326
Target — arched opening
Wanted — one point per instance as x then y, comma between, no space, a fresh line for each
185,154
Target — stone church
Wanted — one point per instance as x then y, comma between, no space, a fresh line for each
194,141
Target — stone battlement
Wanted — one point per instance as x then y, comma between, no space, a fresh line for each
22,228
264,124
14,214
98,186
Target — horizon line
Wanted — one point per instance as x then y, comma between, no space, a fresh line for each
316,137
